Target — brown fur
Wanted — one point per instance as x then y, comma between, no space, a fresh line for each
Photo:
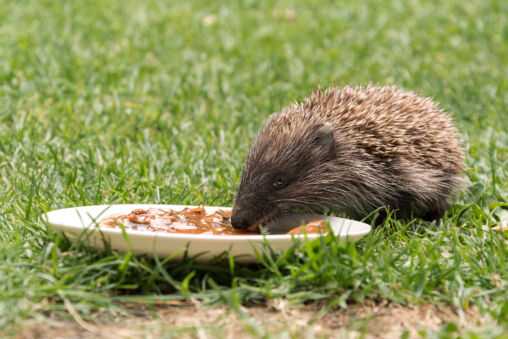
385,147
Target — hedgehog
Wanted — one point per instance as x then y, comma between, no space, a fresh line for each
353,150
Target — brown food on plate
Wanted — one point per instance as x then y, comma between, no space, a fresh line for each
189,221
315,226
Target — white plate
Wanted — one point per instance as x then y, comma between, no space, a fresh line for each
73,221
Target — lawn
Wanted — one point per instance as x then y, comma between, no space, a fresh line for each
157,102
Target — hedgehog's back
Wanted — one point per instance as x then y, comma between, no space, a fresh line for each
388,123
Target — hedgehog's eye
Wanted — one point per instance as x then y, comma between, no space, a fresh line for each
279,182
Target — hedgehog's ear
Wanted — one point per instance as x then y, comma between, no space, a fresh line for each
323,138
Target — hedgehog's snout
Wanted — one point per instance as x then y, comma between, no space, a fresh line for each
246,212
239,222
240,217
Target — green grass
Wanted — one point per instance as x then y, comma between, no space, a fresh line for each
140,102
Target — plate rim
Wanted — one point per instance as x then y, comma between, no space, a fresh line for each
94,225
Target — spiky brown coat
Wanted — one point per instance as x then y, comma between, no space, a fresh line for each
353,149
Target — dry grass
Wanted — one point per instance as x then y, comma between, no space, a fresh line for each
384,320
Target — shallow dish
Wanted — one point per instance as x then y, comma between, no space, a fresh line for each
74,221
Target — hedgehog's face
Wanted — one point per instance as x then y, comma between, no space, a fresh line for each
280,168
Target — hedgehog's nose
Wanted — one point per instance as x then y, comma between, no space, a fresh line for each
239,223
